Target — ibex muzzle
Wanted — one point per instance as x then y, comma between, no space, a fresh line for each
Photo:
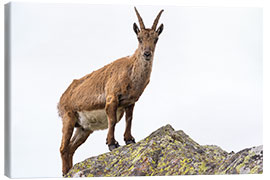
99,100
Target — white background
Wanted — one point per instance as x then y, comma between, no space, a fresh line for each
213,98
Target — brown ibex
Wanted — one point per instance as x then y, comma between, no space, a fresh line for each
98,100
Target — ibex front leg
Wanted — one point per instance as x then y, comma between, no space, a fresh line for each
127,135
111,110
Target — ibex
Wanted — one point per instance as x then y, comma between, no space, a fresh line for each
99,100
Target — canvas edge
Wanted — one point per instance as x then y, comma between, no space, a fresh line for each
7,78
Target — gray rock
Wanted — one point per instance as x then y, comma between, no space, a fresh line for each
170,152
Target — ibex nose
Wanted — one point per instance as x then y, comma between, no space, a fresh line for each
147,54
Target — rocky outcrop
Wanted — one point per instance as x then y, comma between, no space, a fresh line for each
170,152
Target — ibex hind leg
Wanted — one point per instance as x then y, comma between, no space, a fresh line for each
78,139
69,121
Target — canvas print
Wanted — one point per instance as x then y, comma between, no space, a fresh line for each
119,90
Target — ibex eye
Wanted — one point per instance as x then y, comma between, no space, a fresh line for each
140,40
156,40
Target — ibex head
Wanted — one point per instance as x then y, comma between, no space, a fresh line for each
147,37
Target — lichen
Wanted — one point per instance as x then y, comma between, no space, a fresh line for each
169,152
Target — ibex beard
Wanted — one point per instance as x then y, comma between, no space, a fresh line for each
99,100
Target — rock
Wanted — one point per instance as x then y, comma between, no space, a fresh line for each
170,152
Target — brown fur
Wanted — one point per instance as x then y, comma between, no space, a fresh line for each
116,85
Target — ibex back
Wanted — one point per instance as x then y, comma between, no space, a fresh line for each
100,99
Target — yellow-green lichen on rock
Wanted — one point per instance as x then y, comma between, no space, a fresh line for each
170,152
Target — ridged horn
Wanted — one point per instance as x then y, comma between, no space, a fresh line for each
154,26
139,19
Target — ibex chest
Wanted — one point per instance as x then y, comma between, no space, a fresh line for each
132,95
134,84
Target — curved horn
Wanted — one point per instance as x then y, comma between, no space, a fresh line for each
154,26
140,19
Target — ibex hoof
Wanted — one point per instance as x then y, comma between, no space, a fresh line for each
131,141
113,146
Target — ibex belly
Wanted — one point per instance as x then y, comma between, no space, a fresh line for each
96,119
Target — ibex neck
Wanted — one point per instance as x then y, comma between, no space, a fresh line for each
142,69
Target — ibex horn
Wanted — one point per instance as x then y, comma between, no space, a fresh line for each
140,19
156,20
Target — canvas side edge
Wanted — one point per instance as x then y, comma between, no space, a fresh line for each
7,78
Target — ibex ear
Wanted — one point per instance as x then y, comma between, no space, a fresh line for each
135,28
160,29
